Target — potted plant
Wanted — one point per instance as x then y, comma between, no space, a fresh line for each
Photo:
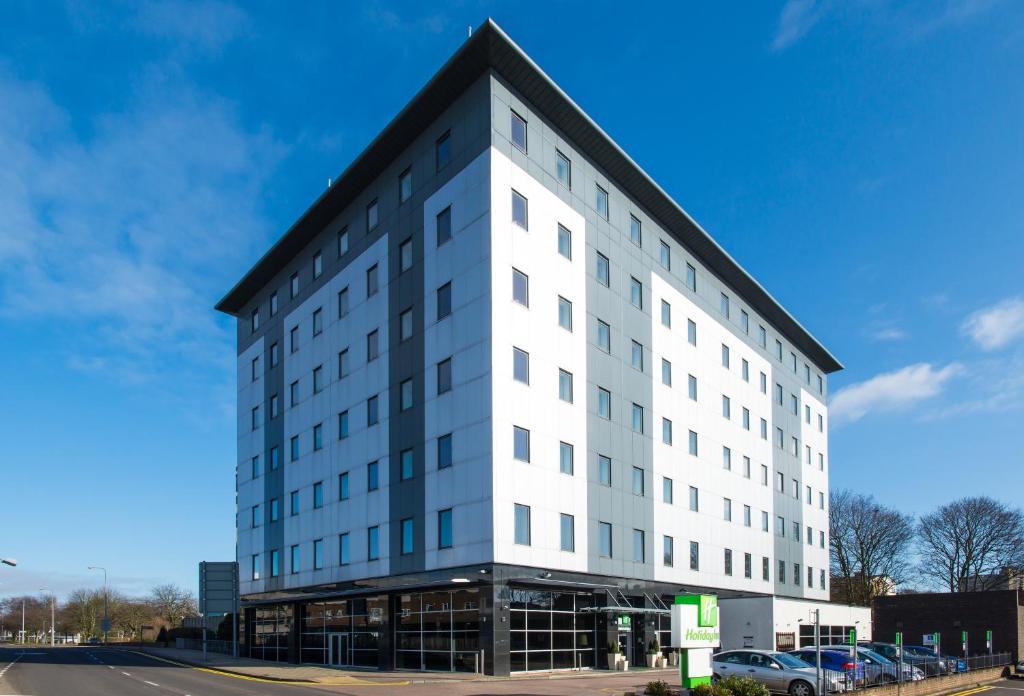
613,655
653,653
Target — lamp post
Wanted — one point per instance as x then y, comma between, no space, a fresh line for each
53,624
106,621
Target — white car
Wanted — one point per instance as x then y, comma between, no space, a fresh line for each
1020,668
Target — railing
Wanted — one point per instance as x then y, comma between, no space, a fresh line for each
216,646
914,668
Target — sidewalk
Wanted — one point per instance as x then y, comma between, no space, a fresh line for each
274,671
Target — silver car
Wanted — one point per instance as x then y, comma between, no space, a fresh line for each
780,672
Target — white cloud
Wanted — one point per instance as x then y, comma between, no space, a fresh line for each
890,333
890,391
795,20
996,326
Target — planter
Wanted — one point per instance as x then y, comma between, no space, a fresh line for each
613,659
652,659
622,665
659,663
673,659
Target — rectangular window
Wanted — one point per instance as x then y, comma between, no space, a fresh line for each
443,226
691,387
405,325
603,270
746,418
792,360
780,526
520,210
520,287
764,429
293,503
343,366
318,437
518,130
694,499
565,458
293,394
295,448
666,314
727,509
294,559
373,543
666,431
667,551
405,465
604,539
255,319
563,170
372,215
765,568
444,301
405,186
762,336
691,332
724,305
520,443
294,336
764,521
343,303
372,346
405,256
691,277
318,265
693,443
821,423
747,521
726,458
275,458
255,515
275,355
343,486
564,242
726,407
780,575
604,336
665,256
256,466
638,481
372,476
255,417
748,562
273,304
444,451
744,321
764,383
406,536
635,235
342,241
666,372
444,376
444,529
794,405
522,524
294,285
728,562
796,573
443,151
637,356
318,495
745,370
343,425
604,403
636,293
666,490
601,202
568,524
694,555
520,365
318,379
780,482
344,557
372,282
778,350
275,510
779,438
565,313
639,555
725,356
405,395
604,470
638,418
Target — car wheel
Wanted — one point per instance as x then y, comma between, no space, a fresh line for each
800,688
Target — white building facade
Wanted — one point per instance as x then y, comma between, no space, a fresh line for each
496,390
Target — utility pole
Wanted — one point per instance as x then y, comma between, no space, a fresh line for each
22,620
53,624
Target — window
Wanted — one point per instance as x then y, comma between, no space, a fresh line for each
520,443
728,561
638,546
748,562
635,235
762,336
726,407
405,395
343,303
405,465
746,467
443,226
726,458
794,405
764,429
342,241
255,319
565,313
821,385
275,355
372,346
520,287
343,425
821,424
294,285
780,576
764,521
275,510
256,466
603,272
275,458
255,417
295,447
666,314
601,202
807,373
746,418
255,515
295,559
405,325
564,242
563,170
638,418
565,457
727,509
405,186
318,378
810,535
745,370
518,130
344,558
343,486
764,383
694,499
778,350
604,538
665,256
405,256
821,539
780,526
638,481
406,536
522,524
604,336
444,451
637,356
444,301
691,277
667,551
343,366
666,490
568,533
371,281
796,573
604,470
821,579
724,305
293,503
520,214
666,431
746,516
443,151
765,568
373,543
744,321
604,403
294,336
780,482
725,356
318,265
273,303
792,360
318,437
821,500
694,555
444,529
520,365
565,386
821,461
691,387
372,476
444,376
779,437
666,372
691,332
318,495
371,215
636,293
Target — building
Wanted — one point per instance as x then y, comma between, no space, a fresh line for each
785,623
950,614
500,398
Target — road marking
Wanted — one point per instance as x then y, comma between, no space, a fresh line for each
150,683
9,664
126,674
968,692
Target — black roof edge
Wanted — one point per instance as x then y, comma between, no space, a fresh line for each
489,47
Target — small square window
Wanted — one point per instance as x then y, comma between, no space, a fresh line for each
518,131
564,242
443,151
405,186
601,202
563,169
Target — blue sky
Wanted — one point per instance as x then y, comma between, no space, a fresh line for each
862,159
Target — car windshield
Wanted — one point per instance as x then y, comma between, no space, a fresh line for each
877,657
789,661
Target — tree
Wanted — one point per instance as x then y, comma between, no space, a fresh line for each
869,546
171,603
970,543
83,611
132,615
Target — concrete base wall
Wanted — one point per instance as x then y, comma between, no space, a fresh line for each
942,685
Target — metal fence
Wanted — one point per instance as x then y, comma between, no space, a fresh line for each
913,668
216,646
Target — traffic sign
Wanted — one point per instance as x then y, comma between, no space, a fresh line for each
105,625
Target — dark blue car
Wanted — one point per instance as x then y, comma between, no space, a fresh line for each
835,660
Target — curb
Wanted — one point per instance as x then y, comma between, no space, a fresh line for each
211,668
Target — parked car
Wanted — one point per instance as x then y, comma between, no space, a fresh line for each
882,670
946,664
1020,668
836,661
780,672
926,661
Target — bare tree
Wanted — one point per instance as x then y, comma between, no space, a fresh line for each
869,546
83,610
171,603
970,544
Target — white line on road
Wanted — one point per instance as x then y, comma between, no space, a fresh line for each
126,674
16,658
150,683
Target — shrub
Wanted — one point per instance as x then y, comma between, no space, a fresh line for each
657,688
743,686
653,647
703,690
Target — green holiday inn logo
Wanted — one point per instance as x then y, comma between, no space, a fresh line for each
705,635
707,612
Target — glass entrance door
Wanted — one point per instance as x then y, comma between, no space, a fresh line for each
340,650
626,646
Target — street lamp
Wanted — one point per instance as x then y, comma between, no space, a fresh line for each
53,625
106,621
